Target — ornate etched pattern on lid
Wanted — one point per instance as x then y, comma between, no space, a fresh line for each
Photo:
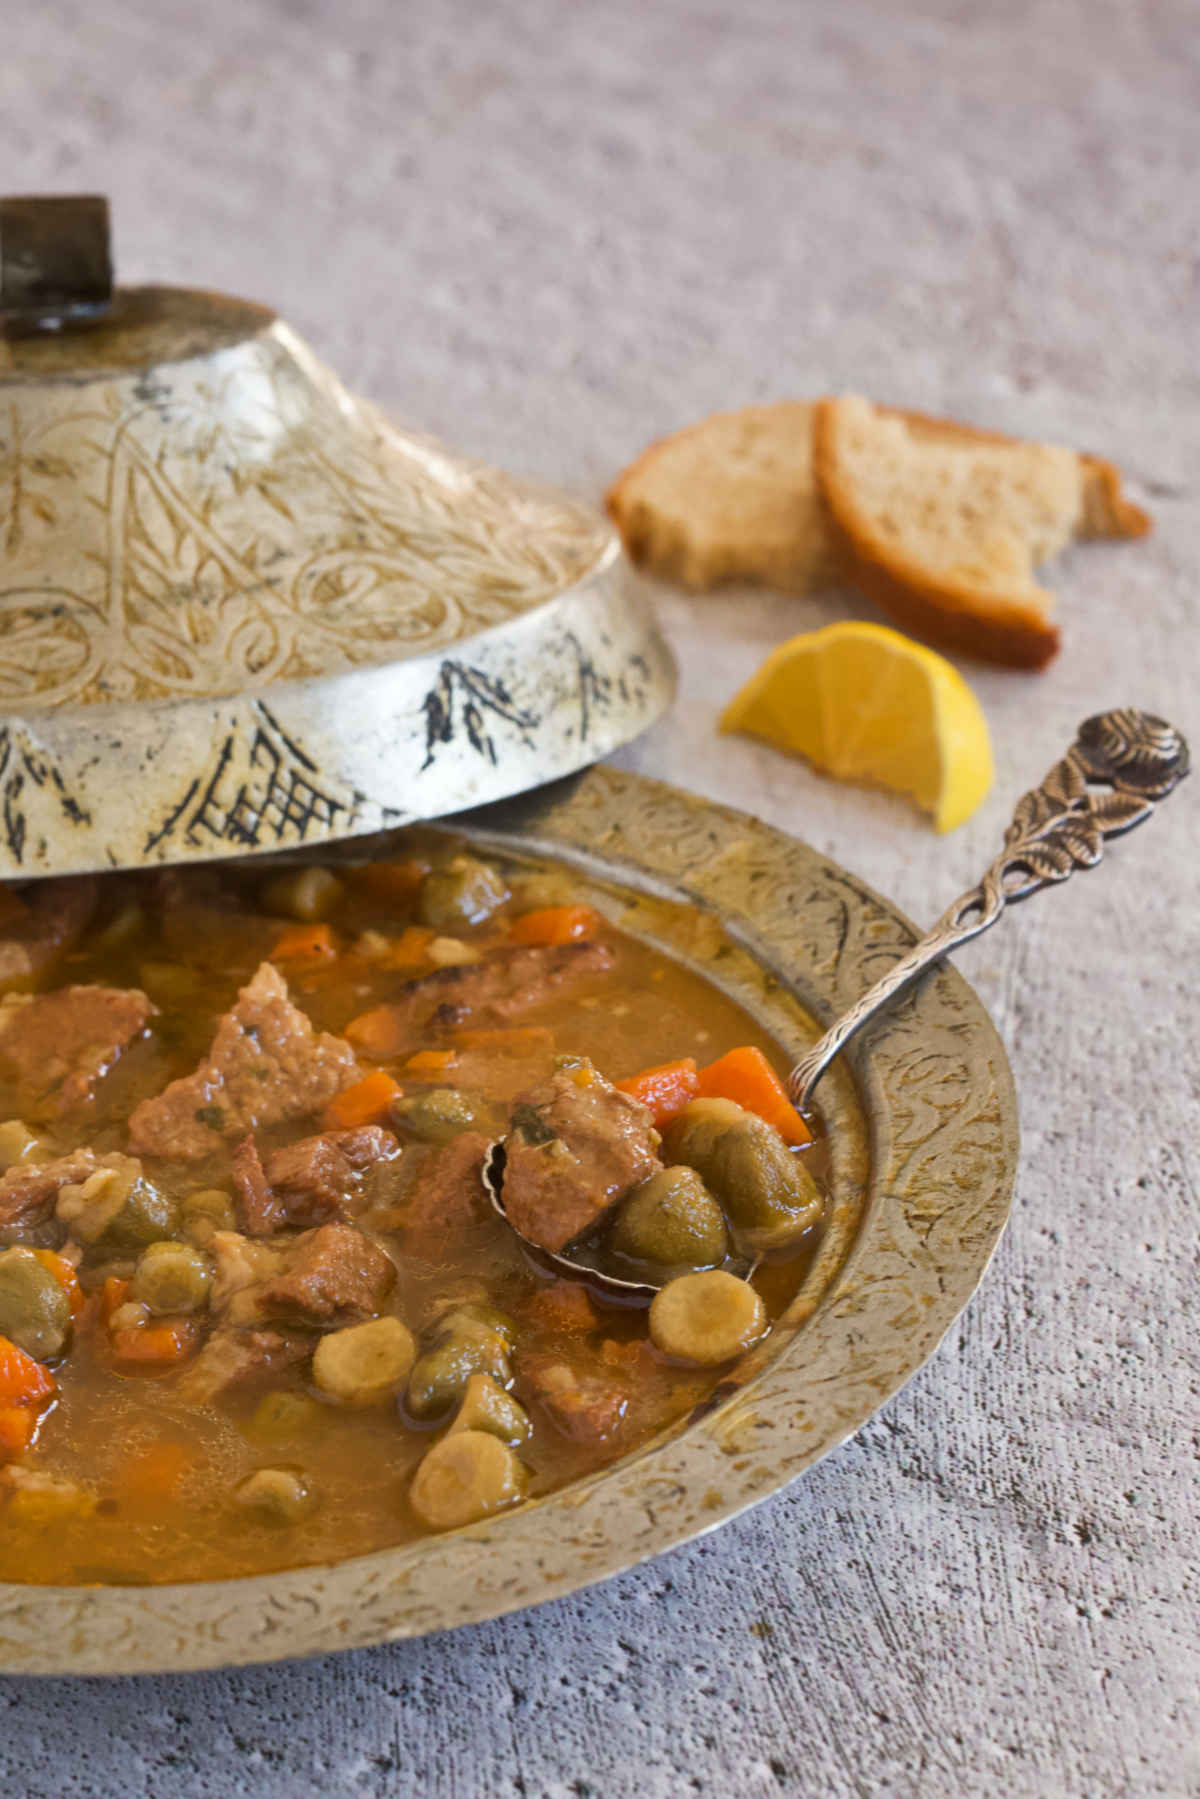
234,518
240,610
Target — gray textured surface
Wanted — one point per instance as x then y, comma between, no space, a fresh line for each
551,233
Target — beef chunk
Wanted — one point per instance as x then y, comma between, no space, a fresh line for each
446,1197
589,1408
266,1065
28,1192
42,922
258,1213
575,1146
306,1183
507,984
320,1280
235,1358
56,1046
332,1276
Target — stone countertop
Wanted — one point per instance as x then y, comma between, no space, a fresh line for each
551,233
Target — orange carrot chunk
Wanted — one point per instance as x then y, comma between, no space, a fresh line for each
17,1424
305,943
64,1273
157,1472
409,949
564,1306
556,924
23,1381
366,1102
430,1061
746,1077
155,1345
113,1294
376,1033
666,1089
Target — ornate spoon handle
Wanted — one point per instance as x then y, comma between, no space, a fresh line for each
1119,766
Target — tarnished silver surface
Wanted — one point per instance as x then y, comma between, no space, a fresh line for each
922,1134
241,611
1056,828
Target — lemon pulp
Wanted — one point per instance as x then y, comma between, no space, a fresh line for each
864,703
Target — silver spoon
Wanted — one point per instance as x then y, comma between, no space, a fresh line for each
1120,766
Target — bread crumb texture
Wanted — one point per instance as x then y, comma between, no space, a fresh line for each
945,526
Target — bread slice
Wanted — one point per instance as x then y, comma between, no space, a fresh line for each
944,525
730,499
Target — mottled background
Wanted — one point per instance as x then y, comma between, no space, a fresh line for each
549,232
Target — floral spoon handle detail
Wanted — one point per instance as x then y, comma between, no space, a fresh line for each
1120,765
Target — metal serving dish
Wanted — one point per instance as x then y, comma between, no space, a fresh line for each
240,613
923,1138
240,610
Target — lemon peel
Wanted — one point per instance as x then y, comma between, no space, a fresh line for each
864,703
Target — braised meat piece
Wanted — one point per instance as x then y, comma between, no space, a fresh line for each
332,1276
588,1408
575,1146
446,1197
234,1358
306,1183
321,1280
266,1065
506,985
42,923
28,1192
54,1047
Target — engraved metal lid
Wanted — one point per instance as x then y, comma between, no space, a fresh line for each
240,610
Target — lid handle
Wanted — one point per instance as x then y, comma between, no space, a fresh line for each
55,261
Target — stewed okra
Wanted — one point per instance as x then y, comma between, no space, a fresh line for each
255,1306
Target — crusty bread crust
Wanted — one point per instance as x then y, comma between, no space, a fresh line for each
679,539
1011,628
1106,511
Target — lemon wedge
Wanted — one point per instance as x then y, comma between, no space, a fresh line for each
864,703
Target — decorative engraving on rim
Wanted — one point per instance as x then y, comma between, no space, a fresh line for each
913,1226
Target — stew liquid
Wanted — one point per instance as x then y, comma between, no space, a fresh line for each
250,1275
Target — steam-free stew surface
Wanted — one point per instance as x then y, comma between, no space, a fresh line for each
202,1407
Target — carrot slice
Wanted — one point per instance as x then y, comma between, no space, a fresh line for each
17,1423
157,1472
366,1102
430,1061
564,1306
556,924
305,943
113,1294
64,1273
410,948
666,1090
746,1077
376,1033
22,1380
155,1345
